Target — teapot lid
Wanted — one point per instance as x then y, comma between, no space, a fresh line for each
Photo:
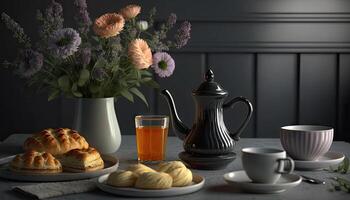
209,86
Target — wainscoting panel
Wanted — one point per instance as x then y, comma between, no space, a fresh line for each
344,97
268,36
236,74
7,104
290,58
31,111
318,89
277,93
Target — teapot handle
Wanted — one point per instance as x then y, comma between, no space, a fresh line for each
230,104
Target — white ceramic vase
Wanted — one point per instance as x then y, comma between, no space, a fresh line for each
96,120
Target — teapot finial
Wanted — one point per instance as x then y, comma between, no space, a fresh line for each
209,76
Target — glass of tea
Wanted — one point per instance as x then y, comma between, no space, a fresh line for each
151,137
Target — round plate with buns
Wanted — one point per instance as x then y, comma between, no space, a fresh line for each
138,180
198,183
58,155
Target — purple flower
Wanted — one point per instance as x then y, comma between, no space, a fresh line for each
17,30
64,42
31,62
82,16
99,74
51,20
183,34
56,8
85,56
163,64
172,20
54,15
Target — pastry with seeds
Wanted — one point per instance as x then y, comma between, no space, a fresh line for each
35,162
56,141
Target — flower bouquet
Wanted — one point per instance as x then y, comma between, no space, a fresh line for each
110,57
96,62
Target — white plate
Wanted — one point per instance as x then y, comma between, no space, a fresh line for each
240,180
111,165
198,183
328,159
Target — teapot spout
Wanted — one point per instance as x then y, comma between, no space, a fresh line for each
179,127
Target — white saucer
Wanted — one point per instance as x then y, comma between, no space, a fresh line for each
240,180
328,159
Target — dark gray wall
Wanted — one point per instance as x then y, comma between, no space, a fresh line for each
291,58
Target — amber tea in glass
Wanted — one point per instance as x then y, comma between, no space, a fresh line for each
151,137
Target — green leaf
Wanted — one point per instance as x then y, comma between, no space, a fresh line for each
138,75
139,94
97,39
94,88
123,83
70,60
83,77
101,62
114,65
74,87
64,83
53,94
75,91
152,84
77,94
346,165
342,168
144,80
145,73
132,74
127,95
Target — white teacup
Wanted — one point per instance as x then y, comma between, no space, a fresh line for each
265,165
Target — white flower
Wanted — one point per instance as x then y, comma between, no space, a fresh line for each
142,25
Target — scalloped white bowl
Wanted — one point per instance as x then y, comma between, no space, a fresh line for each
306,142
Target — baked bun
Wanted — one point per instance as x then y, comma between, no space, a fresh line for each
154,180
178,171
35,162
56,141
122,178
81,160
170,166
181,177
139,169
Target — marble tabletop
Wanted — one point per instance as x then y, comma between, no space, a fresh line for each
215,186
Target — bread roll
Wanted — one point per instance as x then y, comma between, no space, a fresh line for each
122,178
154,180
170,166
178,171
81,160
139,169
181,177
56,141
35,162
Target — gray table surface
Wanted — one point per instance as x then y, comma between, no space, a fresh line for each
215,186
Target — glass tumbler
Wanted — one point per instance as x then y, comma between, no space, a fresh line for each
151,137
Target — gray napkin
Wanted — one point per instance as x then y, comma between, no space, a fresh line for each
48,190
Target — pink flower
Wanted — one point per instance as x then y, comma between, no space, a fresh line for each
163,64
140,54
